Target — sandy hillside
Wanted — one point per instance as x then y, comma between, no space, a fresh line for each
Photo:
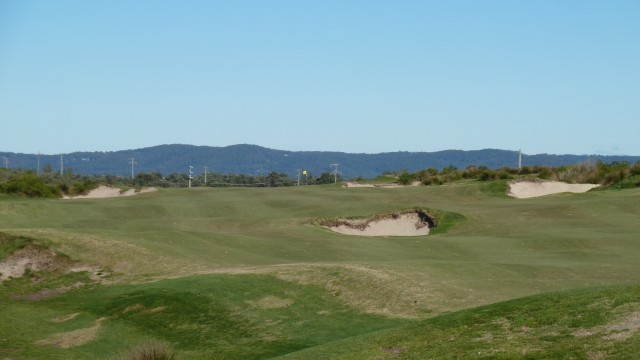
529,189
404,225
107,192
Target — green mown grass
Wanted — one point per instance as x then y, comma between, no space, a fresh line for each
504,248
207,316
575,324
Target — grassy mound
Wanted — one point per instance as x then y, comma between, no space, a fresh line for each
208,316
579,324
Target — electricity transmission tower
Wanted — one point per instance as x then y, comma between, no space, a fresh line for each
61,164
132,162
38,164
190,175
335,173
6,162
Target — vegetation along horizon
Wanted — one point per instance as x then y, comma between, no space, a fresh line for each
241,272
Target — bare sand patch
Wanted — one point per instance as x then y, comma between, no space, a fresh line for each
103,192
529,189
30,257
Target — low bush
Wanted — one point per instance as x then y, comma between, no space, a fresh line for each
29,185
149,351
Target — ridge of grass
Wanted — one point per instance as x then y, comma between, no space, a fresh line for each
206,316
601,322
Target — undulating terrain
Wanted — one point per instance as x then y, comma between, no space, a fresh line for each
222,273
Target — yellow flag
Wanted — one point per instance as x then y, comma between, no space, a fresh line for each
304,172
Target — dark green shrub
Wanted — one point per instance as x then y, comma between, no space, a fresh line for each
405,178
31,186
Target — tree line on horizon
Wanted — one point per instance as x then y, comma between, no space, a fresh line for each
49,184
619,173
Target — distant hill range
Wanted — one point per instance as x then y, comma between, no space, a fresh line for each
256,160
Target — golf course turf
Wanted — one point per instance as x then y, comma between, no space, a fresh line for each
248,273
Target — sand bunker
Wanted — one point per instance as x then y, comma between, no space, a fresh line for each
529,189
414,223
355,184
107,192
351,184
32,258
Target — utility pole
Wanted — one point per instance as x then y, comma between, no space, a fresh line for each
6,162
335,173
190,175
38,166
205,175
298,177
61,165
520,159
132,162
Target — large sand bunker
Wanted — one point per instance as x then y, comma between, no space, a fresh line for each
102,192
529,189
409,223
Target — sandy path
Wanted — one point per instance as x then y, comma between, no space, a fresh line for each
529,189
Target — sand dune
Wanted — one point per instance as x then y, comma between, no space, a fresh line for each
529,189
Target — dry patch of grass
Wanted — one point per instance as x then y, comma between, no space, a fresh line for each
142,308
271,302
73,338
61,319
621,329
125,260
373,291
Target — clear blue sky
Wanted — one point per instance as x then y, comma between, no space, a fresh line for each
355,76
